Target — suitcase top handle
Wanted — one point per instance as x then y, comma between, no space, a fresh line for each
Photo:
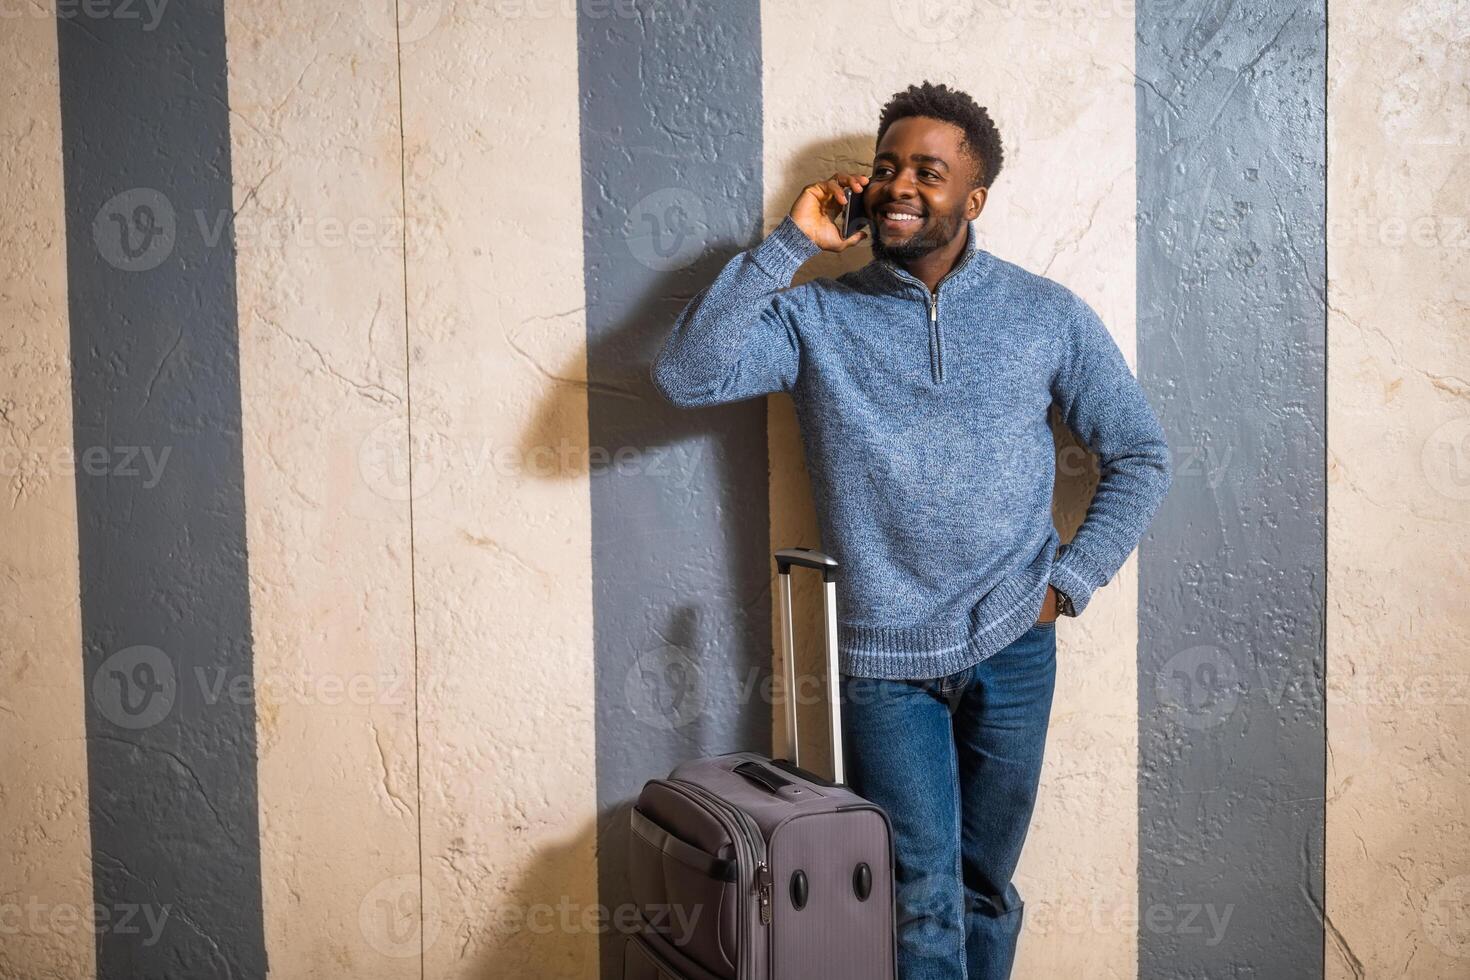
769,778
806,558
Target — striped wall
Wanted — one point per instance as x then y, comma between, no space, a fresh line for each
353,577
671,187
45,845
1398,477
503,581
1232,320
166,651
317,202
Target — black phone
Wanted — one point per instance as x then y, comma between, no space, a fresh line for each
854,214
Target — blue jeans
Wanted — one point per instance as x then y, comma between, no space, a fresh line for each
955,761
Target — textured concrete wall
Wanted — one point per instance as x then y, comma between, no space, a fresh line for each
1398,694
166,647
446,746
502,529
46,905
317,195
396,825
1232,324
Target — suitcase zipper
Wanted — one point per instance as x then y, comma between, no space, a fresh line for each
743,831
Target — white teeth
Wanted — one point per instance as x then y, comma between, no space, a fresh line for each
901,216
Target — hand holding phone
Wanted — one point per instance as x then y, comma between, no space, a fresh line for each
830,212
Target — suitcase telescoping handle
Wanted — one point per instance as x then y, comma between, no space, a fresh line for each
807,558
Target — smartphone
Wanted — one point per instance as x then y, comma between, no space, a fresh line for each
854,215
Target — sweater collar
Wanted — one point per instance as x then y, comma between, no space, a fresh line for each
967,267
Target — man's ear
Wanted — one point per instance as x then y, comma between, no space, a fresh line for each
975,203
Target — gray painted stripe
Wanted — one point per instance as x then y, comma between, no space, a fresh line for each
165,602
671,184
1232,336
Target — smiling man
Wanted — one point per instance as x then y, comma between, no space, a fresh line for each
923,383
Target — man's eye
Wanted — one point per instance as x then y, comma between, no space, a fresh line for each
880,171
927,173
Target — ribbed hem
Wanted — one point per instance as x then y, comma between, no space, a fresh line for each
784,251
1078,574
934,650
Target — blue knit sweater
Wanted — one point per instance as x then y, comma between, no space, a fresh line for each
925,425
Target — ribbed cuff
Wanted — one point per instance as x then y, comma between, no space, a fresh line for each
1077,574
784,251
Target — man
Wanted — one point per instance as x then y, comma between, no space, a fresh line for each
922,384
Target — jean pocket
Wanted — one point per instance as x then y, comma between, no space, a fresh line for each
1038,625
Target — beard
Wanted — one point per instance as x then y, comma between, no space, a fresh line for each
939,230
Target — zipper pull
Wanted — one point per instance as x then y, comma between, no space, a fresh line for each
936,355
763,881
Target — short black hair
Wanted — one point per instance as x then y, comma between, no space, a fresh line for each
952,106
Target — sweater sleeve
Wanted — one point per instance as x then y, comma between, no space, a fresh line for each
1103,403
737,337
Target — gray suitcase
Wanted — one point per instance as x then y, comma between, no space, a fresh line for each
749,868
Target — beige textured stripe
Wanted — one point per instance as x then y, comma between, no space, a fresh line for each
502,514
46,912
315,145
1398,696
1062,96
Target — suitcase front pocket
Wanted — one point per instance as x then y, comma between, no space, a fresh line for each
685,894
643,959
640,963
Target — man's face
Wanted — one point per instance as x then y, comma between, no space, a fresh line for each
920,195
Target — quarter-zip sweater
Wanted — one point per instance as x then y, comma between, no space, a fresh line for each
924,417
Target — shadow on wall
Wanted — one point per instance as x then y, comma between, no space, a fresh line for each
541,925
624,409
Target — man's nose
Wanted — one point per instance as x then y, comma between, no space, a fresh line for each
902,186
